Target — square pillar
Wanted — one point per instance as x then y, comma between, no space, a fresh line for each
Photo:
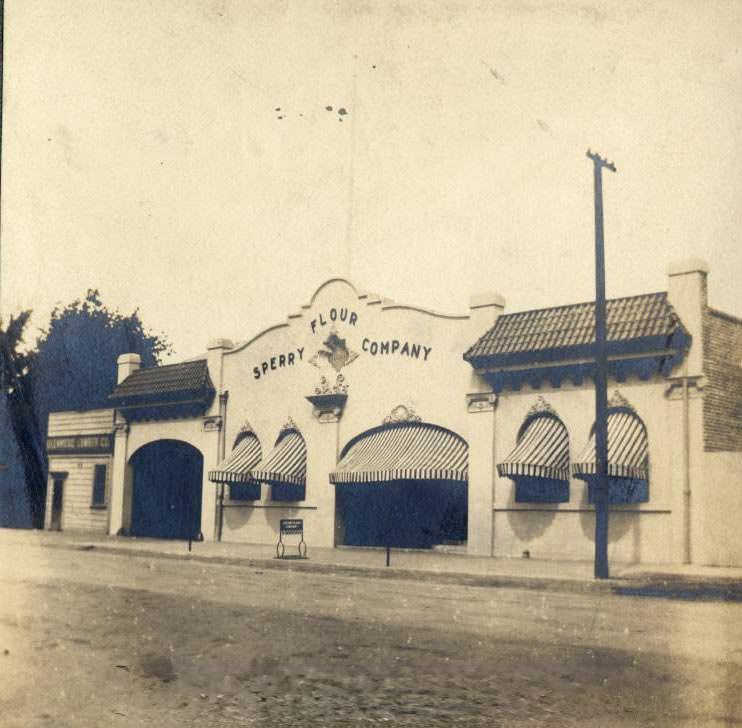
322,454
480,536
121,477
212,427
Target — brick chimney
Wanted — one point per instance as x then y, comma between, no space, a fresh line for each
127,364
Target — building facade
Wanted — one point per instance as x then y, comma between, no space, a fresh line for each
79,448
379,424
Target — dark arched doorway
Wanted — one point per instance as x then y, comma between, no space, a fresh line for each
166,494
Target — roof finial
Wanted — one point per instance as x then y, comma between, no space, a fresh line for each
618,400
541,407
401,413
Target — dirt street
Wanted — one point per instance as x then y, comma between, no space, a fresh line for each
93,639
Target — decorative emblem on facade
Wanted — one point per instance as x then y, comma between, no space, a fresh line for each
324,387
542,407
246,429
618,400
401,414
289,425
335,353
481,402
121,428
328,399
212,424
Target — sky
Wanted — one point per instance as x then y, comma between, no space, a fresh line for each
212,162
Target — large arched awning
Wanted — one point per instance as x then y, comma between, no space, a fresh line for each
403,451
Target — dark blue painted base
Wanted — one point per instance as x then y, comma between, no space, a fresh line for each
540,490
403,513
621,491
166,499
244,491
287,492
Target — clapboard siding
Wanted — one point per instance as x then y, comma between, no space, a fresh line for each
77,512
78,492
92,422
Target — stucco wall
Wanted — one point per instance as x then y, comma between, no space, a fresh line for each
647,532
433,383
137,435
718,504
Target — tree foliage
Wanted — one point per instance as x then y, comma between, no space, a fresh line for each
23,439
72,367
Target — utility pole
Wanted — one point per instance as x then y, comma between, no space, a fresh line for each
600,491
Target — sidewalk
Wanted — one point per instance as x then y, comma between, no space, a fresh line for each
406,564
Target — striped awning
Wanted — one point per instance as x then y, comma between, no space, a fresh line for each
237,467
403,451
542,451
628,451
286,463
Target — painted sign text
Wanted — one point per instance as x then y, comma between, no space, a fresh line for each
278,362
394,346
332,316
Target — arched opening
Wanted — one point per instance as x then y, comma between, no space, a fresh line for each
166,491
284,468
235,471
403,484
628,456
538,465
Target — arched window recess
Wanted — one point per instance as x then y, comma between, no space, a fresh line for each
236,469
628,456
539,463
285,466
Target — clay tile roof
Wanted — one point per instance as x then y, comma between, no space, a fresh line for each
565,329
185,378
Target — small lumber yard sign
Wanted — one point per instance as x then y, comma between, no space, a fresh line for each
80,444
291,526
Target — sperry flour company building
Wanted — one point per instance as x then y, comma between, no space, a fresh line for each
378,423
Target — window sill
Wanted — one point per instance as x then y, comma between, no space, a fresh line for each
102,507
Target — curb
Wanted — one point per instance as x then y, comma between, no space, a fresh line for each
554,584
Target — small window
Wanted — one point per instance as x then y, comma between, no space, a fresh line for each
621,491
287,492
244,491
99,487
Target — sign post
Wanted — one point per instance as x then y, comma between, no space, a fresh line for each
601,377
291,527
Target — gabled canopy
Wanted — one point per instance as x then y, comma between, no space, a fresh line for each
165,392
645,337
